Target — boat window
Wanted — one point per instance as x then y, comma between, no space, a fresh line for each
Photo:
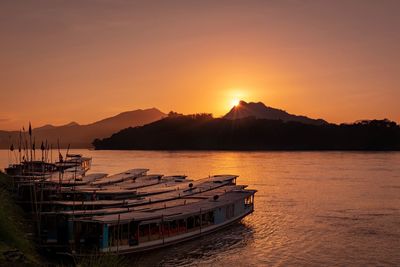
211,217
124,238
182,226
197,221
204,219
155,231
118,235
144,230
190,223
112,236
133,234
165,229
248,201
207,218
229,211
173,228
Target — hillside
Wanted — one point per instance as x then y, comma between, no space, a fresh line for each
261,111
81,136
202,132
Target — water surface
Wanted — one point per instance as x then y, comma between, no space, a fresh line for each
311,209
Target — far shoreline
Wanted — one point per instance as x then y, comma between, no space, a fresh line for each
231,150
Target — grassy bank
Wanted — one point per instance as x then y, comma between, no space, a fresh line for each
15,246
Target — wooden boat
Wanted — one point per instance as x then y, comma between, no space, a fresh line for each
67,220
145,230
74,161
30,168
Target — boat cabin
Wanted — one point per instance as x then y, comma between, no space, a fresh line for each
143,230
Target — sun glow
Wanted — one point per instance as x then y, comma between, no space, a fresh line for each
235,102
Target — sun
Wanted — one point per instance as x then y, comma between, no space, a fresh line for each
235,102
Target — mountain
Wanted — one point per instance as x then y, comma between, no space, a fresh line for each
261,111
81,136
202,132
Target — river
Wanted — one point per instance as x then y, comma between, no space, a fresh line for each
311,209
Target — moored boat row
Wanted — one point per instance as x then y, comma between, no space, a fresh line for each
127,212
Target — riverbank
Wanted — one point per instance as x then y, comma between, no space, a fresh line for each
16,244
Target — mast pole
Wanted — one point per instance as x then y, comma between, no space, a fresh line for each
30,139
34,148
60,161
24,144
42,148
8,150
20,145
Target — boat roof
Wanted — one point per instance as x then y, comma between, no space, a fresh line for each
69,155
113,210
150,182
117,188
129,174
172,213
72,160
78,181
145,205
65,176
199,186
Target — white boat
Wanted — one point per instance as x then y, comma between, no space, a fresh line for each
138,231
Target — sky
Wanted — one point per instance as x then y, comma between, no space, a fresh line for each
82,61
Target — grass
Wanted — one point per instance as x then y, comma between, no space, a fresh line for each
14,228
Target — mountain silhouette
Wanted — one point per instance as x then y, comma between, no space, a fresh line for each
203,132
81,136
261,111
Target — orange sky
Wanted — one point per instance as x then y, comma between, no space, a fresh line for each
81,61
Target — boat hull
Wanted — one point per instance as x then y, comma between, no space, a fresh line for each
157,244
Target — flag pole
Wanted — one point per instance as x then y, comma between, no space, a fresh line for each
42,149
34,148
